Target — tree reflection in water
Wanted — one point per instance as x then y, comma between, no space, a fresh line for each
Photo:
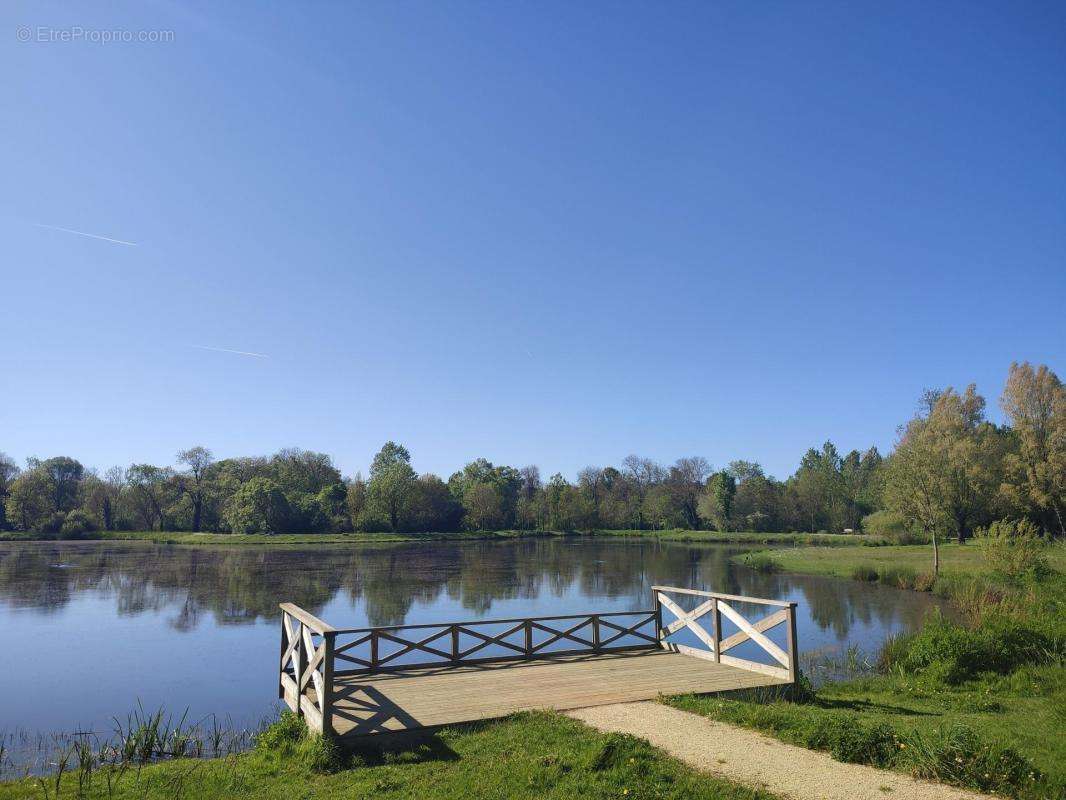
240,584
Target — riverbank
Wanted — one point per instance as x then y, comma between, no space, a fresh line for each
677,535
533,755
980,704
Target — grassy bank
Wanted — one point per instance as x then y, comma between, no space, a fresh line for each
980,704
177,537
527,756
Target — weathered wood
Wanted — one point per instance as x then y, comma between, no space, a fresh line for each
687,619
326,702
763,625
735,597
755,666
308,619
778,654
426,697
793,656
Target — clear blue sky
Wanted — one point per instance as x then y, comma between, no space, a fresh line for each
550,233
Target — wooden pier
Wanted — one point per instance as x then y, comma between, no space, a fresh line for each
364,681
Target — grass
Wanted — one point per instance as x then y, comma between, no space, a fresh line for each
178,537
980,704
535,755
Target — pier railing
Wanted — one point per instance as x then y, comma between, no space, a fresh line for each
314,654
713,645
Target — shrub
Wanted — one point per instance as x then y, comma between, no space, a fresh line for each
864,572
847,739
894,651
943,652
1014,548
76,525
762,562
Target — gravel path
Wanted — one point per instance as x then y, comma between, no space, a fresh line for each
747,757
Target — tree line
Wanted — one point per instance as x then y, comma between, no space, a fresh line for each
951,472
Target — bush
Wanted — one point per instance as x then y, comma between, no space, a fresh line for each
864,572
892,526
1014,548
76,525
943,652
847,739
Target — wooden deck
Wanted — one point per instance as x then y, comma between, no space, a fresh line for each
367,681
432,696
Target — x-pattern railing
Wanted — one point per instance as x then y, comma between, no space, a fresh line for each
311,649
458,643
306,678
715,646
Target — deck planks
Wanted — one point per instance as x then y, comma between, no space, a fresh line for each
434,696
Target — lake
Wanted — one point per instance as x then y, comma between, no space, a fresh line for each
91,628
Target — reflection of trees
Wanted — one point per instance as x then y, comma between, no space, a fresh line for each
242,584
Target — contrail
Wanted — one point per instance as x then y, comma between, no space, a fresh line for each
83,233
227,350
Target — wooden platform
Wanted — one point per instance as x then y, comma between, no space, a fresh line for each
429,697
367,681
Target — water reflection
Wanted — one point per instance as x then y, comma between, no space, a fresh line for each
382,583
197,628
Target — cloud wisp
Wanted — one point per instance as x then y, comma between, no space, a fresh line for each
89,235
227,350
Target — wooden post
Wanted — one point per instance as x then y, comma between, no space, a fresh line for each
596,632
284,646
655,604
455,644
793,655
329,641
301,662
373,649
716,622
529,638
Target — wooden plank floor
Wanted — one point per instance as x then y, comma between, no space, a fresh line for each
421,698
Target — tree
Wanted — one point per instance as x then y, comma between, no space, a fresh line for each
643,473
484,507
198,460
391,482
506,481
356,500
684,484
29,502
716,500
1034,400
259,506
946,469
147,486
8,470
431,506
299,471
63,475
100,496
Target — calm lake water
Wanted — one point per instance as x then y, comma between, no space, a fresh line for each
92,627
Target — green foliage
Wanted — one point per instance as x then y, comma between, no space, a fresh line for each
944,652
259,506
76,524
852,741
1014,548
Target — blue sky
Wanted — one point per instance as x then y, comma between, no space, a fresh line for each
551,233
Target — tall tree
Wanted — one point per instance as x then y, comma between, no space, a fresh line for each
63,475
716,500
8,470
147,485
198,460
391,482
1034,401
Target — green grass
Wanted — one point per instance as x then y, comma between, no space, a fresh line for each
981,704
843,562
527,756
